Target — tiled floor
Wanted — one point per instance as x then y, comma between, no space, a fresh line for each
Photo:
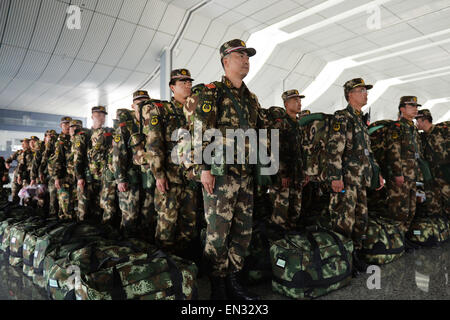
420,275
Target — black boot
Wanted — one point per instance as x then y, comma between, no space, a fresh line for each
218,288
359,266
235,291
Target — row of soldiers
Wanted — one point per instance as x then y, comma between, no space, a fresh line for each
129,172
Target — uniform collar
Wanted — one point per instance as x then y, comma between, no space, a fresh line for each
228,83
176,103
352,110
407,122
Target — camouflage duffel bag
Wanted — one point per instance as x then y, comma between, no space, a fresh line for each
118,273
384,242
310,264
18,233
429,231
7,228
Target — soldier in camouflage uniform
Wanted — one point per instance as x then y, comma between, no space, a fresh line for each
4,179
228,188
16,156
402,161
91,157
287,193
147,225
174,197
351,169
435,141
37,159
62,144
24,165
65,181
50,142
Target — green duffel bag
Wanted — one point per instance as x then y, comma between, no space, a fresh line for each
310,264
384,242
60,237
122,275
7,228
29,244
429,231
18,233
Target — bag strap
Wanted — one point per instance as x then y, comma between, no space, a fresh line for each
175,273
243,122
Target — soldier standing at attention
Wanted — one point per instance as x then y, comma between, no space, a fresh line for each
91,155
174,197
350,169
228,189
15,186
436,149
25,162
44,176
402,161
287,193
65,181
63,142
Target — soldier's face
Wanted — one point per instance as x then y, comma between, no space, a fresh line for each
72,131
182,88
409,111
65,128
359,96
25,145
47,138
99,119
32,144
135,106
420,123
237,63
294,105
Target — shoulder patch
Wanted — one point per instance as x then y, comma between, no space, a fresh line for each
395,135
211,86
107,134
155,120
398,124
117,139
159,104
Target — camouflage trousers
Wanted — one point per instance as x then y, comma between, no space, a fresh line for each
148,216
433,202
15,188
89,202
129,206
53,194
108,200
287,206
67,199
176,222
401,203
444,194
229,218
349,214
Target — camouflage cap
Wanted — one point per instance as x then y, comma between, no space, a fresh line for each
140,94
66,119
291,94
34,138
25,140
50,133
76,123
235,45
412,100
424,113
355,83
101,109
180,74
124,115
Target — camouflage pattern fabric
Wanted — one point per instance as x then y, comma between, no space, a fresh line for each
15,187
287,206
47,179
401,202
436,146
350,160
384,242
308,265
429,231
24,166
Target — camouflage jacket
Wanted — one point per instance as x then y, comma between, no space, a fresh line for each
214,109
24,164
37,159
436,147
3,171
403,150
162,119
47,154
63,140
64,165
348,149
91,153
125,171
14,157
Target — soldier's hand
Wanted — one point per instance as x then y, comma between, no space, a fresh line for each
285,182
307,179
8,165
208,181
19,180
123,187
81,184
162,185
381,183
42,178
33,182
399,181
337,186
57,184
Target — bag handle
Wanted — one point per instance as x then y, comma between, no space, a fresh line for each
175,273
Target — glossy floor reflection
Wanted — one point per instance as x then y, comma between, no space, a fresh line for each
420,275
